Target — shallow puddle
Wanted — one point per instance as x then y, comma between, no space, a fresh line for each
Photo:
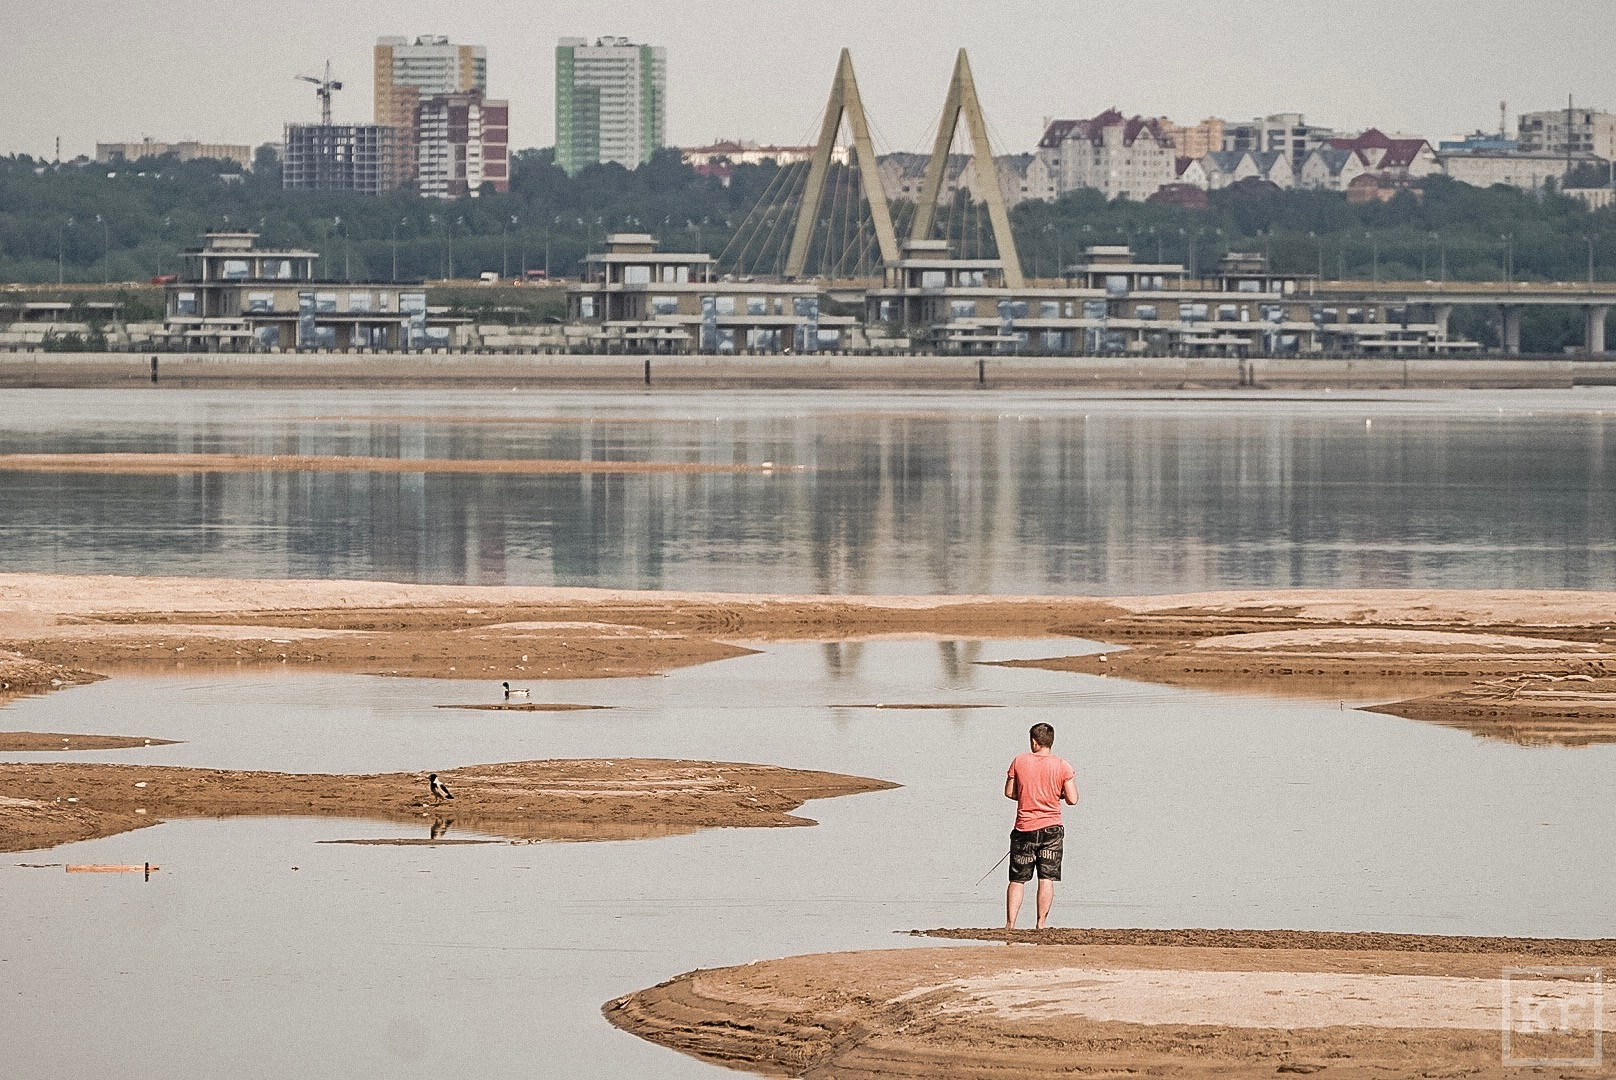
421,959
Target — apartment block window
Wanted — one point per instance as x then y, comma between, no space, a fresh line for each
757,305
185,303
586,307
1248,286
1094,309
664,305
1228,313
258,302
636,275
1145,311
236,270
726,305
669,275
1116,284
359,301
279,269
963,309
933,279
1274,313
325,302
885,311
1049,309
1192,312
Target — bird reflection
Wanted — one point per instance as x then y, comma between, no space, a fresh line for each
441,826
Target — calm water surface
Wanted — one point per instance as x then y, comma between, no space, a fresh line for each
907,492
1198,810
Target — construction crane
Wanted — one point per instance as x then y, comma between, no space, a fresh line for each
324,88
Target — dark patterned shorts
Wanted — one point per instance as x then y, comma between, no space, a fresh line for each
1040,849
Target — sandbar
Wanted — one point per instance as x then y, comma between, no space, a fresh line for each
1530,666
605,799
31,741
1056,1010
174,463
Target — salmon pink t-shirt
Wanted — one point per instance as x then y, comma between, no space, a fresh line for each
1039,780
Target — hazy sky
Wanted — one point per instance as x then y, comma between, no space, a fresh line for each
108,70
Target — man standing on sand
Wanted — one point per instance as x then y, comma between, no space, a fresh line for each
1039,782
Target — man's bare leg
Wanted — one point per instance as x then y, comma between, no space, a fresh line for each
1046,897
1012,904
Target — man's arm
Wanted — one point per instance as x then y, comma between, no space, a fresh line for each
1010,791
1069,791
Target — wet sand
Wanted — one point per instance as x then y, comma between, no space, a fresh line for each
159,464
1356,1009
49,804
1526,665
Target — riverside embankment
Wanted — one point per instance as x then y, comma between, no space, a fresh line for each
99,369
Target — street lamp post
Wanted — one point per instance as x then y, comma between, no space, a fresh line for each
1590,242
106,250
61,234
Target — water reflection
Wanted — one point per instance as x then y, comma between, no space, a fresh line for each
980,493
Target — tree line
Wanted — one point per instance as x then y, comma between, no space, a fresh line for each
84,222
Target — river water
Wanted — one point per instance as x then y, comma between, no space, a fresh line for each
1199,809
906,492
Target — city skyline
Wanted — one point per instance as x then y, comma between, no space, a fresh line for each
1441,74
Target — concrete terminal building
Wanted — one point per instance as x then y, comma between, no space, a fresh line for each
235,296
637,299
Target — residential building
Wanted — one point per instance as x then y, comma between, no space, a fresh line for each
1569,132
1022,177
746,152
1520,169
610,102
1228,167
233,295
461,142
112,153
1394,156
1194,142
1125,159
339,157
408,72
1479,142
1328,169
1287,133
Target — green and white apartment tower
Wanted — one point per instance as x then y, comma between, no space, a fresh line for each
610,102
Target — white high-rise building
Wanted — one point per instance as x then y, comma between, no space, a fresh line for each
610,102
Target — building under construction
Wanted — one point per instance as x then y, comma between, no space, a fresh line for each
338,157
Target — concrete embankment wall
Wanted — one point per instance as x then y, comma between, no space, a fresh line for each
417,369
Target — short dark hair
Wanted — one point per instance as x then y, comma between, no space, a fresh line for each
1043,735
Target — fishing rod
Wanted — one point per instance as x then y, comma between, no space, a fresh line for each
992,868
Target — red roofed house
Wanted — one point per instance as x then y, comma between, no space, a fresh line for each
1383,155
1126,159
